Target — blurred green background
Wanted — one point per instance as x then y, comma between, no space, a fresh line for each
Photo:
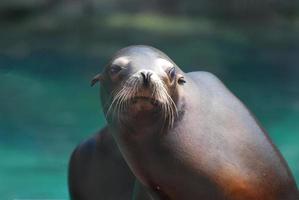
50,49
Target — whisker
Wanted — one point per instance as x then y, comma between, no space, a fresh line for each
110,107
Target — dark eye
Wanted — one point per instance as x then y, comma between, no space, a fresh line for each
171,73
114,69
181,80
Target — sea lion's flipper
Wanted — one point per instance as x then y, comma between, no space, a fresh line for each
97,170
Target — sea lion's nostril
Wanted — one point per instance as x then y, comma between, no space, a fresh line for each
146,78
149,74
143,75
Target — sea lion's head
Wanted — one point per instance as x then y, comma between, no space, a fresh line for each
140,84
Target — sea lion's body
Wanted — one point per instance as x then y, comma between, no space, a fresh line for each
214,149
98,171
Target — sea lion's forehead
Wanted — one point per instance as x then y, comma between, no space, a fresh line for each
141,56
158,62
140,50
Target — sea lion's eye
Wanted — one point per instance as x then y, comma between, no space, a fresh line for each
114,69
172,73
181,80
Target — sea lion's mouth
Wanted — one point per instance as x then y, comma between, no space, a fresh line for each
145,99
141,104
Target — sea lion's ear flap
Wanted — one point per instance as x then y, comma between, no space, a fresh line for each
96,79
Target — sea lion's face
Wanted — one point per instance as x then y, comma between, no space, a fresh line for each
141,86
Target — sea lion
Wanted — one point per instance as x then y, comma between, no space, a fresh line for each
98,171
185,135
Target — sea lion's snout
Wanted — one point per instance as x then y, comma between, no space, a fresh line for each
145,96
143,92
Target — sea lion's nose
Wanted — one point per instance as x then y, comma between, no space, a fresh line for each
146,76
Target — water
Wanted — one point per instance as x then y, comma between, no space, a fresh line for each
47,106
44,114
